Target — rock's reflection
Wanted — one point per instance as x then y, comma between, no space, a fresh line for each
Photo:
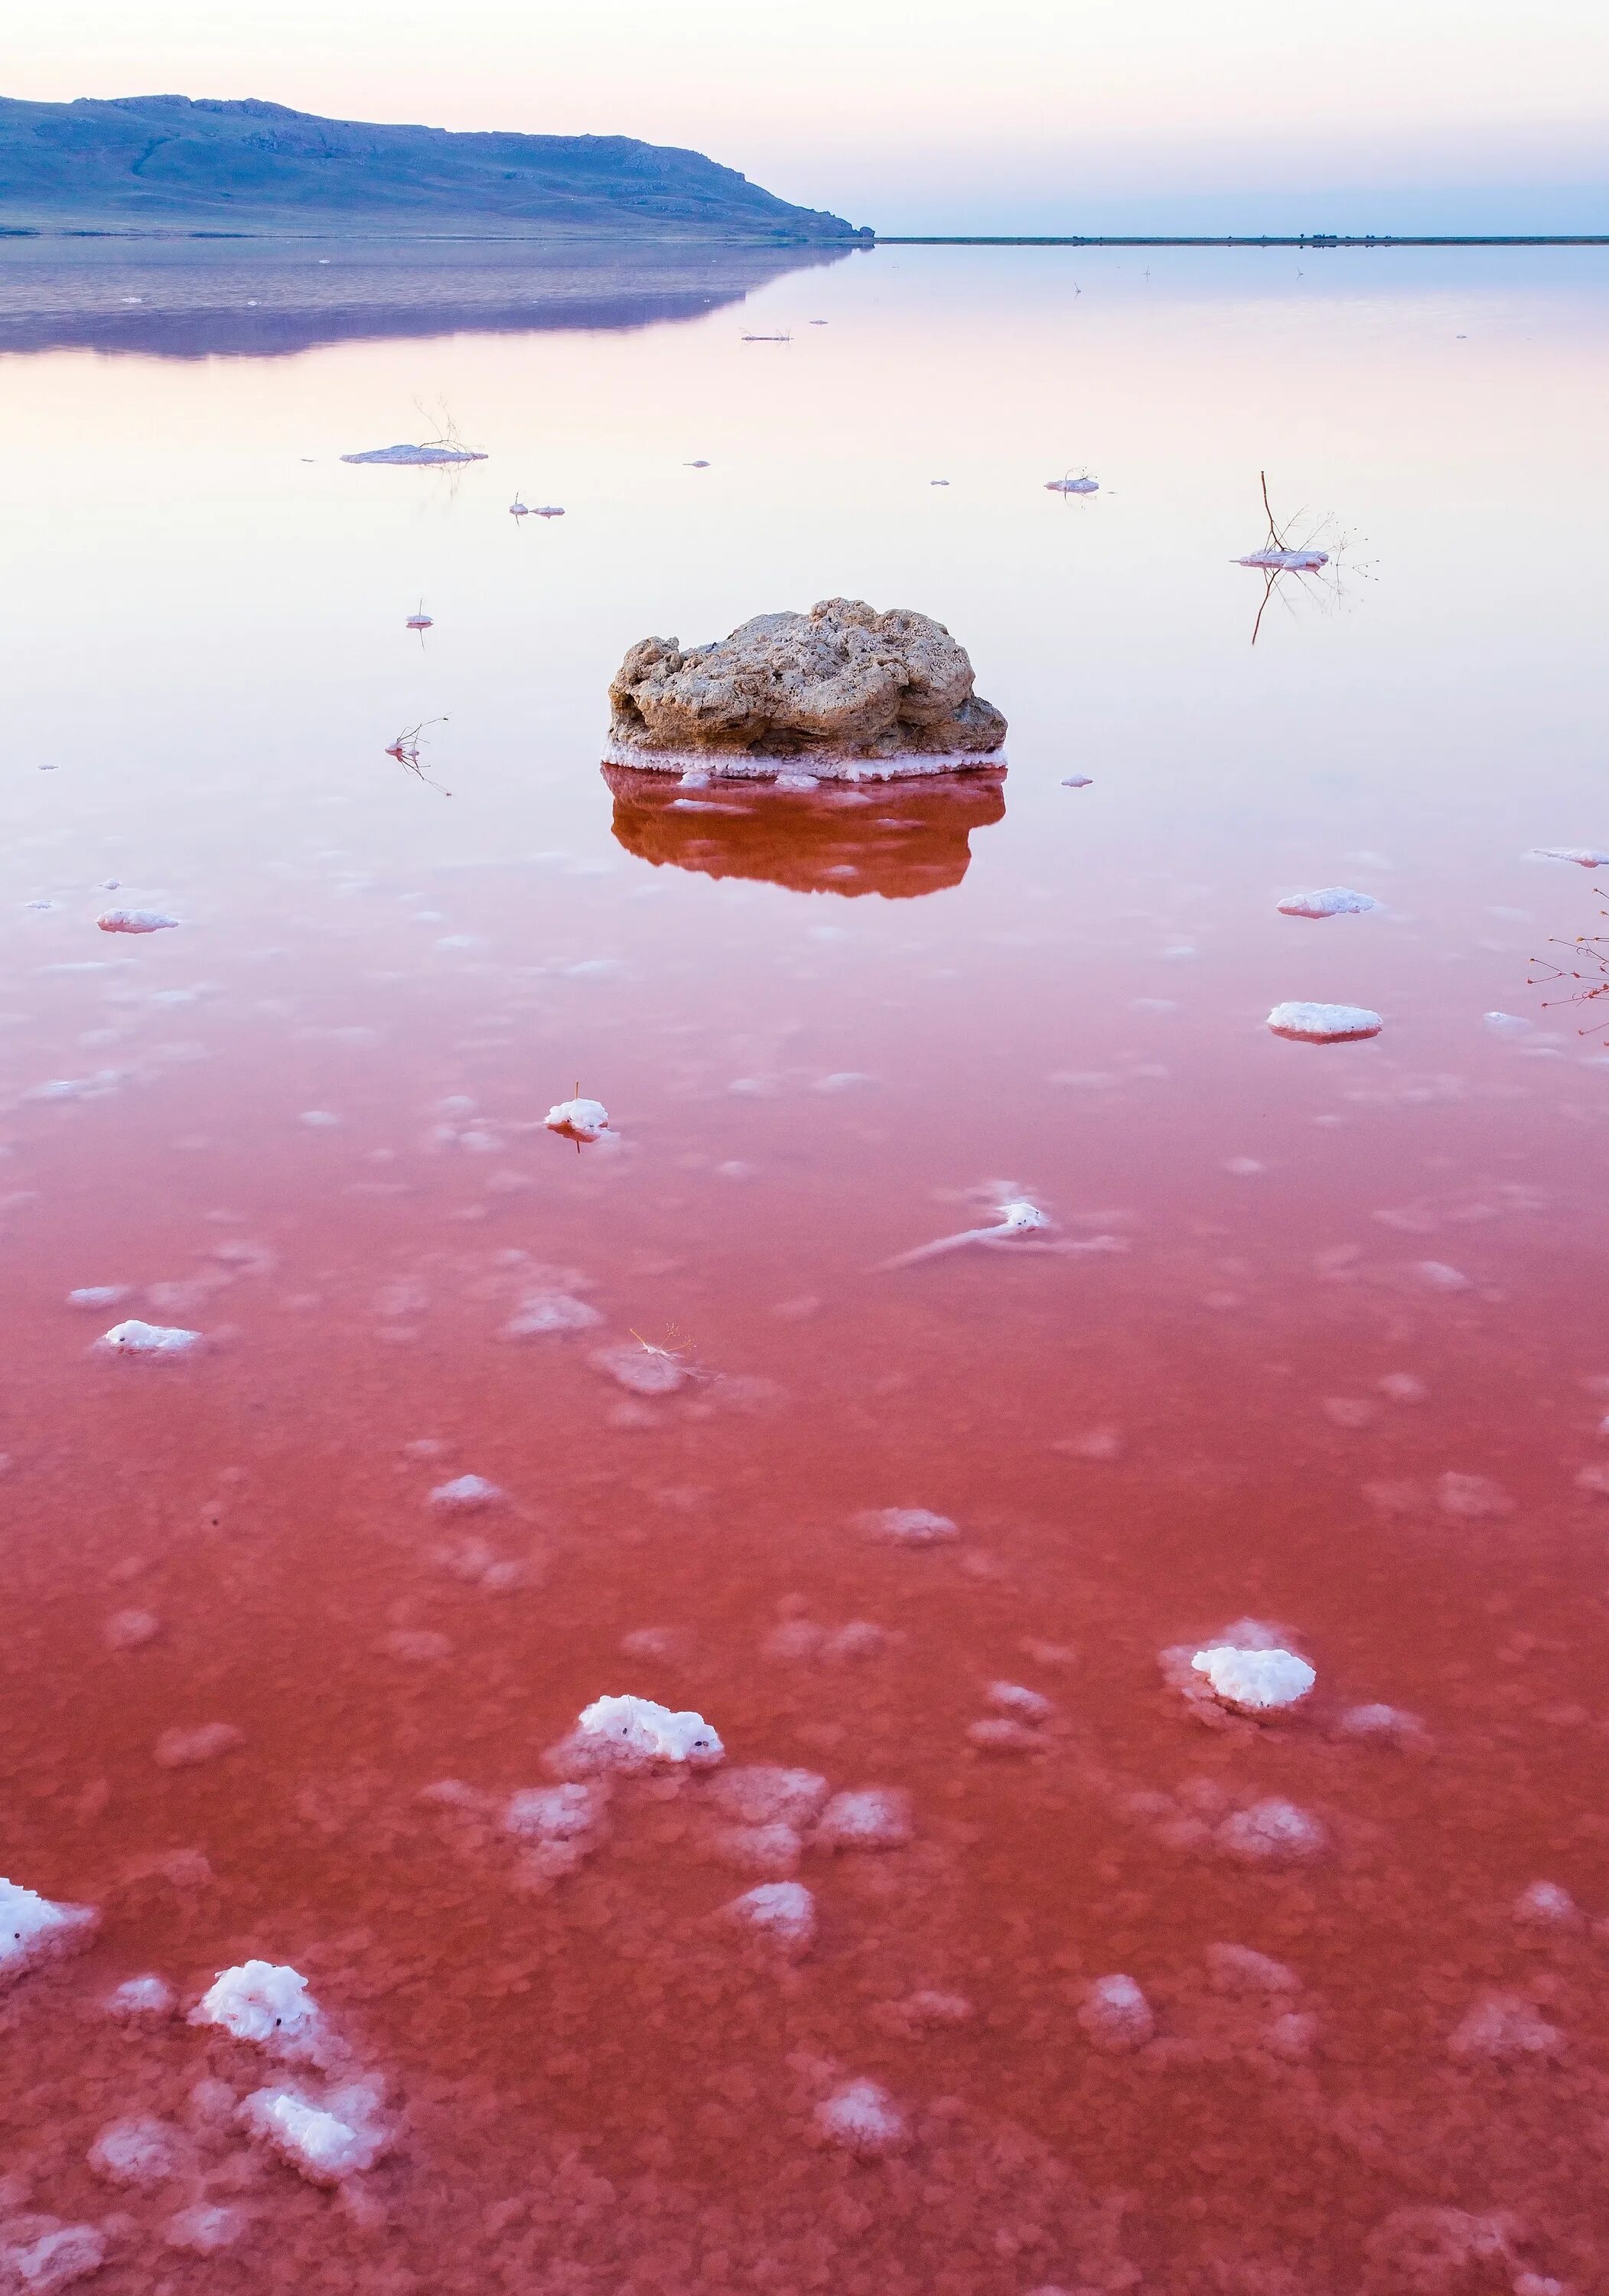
901,839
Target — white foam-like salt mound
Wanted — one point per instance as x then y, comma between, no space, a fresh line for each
644,1371
262,2001
158,1341
634,1730
1256,1681
35,1929
326,2143
1328,901
1323,1024
1241,1969
1272,1832
138,2153
1545,1905
554,1812
908,1526
54,2260
464,1494
580,1119
137,920
542,1314
99,1295
206,2228
422,458
1585,857
866,1818
1116,2015
782,1912
861,2117
1076,781
763,1793
141,1996
1286,562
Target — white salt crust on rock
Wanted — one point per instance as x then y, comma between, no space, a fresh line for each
34,1930
265,2002
1254,1681
143,1997
138,2153
578,1119
327,2142
635,1734
861,2117
137,920
52,2260
1328,901
555,1813
782,1913
160,1342
1323,1024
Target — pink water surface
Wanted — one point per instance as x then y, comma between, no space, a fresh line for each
1329,1354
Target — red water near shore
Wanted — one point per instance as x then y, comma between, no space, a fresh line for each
1325,1356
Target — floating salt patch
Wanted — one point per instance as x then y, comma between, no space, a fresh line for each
1286,562
141,1996
137,920
1546,1905
1328,901
1116,2015
99,1295
420,621
138,2152
517,509
184,1749
1076,781
266,2002
1503,2026
325,2142
1323,1024
644,1370
1239,1969
1071,486
1272,1832
1506,1024
783,1912
54,2260
867,1817
629,1732
1585,857
465,1495
578,1119
1018,1218
542,1314
861,2117
160,1341
1254,1681
206,2228
416,456
763,1793
908,1525
35,1929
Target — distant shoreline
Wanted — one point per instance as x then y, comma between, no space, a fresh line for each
1321,239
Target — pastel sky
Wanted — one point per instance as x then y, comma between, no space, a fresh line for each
936,115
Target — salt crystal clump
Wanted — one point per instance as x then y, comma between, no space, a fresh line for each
35,1929
205,2228
266,2002
138,2153
325,2142
544,1312
464,1493
629,1732
1239,1969
868,1817
1272,560
554,1812
425,456
1272,1832
1504,2026
55,2258
1116,2015
1255,1681
1546,1905
763,1793
783,1912
908,1526
1328,901
645,1371
137,920
1323,1024
141,1996
1026,1705
98,1295
862,2118
578,1120
134,1337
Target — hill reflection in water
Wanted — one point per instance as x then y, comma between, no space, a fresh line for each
901,839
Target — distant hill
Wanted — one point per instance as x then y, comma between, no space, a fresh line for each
166,162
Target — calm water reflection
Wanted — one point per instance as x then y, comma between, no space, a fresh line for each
1336,1367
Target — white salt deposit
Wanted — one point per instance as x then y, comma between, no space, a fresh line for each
763,1793
861,2117
266,2002
136,920
868,1817
1239,1969
35,1929
1585,857
99,1295
1387,1725
1272,1832
774,1849
1018,1218
1505,2026
783,1911
160,1341
1286,562
465,1495
1076,781
643,1370
128,1630
136,2153
578,1119
325,2142
205,2228
554,1812
1255,1681
183,1750
1323,1024
54,2260
542,1314
1328,901
1025,1705
1546,1905
1071,486
141,1996
908,1525
421,456
1116,2015
635,1730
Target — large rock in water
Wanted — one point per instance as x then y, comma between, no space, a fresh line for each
842,691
